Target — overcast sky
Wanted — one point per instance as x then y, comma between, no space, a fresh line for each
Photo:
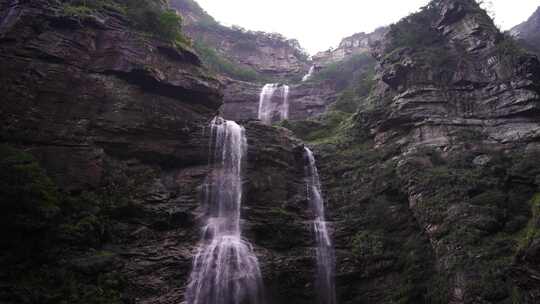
320,24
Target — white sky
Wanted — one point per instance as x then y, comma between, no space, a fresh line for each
320,24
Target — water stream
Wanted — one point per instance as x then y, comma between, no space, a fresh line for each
269,109
225,269
325,285
309,74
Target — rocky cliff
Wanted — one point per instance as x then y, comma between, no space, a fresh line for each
429,166
528,32
359,43
270,55
104,144
444,151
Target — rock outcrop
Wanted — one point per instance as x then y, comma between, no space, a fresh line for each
116,122
359,43
528,32
432,187
448,139
271,55
241,100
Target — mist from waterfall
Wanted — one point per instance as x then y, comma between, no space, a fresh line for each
268,108
325,284
309,74
225,269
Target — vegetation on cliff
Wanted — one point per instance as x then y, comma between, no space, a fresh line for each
150,16
221,65
52,241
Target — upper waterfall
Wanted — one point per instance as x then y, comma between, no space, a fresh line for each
309,74
269,109
225,269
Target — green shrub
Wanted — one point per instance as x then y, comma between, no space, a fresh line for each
368,245
29,199
415,31
347,72
219,64
149,16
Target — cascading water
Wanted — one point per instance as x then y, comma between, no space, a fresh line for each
285,106
325,251
309,74
225,269
267,108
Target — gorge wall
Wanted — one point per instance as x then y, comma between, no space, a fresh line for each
444,151
527,32
427,153
269,55
104,145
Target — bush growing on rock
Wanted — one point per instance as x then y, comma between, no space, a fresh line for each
151,16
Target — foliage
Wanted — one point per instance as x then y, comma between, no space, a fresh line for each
368,245
29,198
219,64
415,31
40,225
347,72
149,16
51,284
509,50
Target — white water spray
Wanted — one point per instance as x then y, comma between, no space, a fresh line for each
325,284
309,74
225,269
268,108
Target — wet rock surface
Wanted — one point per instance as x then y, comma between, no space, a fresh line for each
241,99
431,188
438,166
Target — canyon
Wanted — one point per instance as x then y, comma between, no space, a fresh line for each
404,169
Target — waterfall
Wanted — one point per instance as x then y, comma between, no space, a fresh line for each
268,108
309,74
325,285
284,111
225,269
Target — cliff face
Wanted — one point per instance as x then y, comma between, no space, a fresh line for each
104,150
241,100
461,73
270,55
116,119
432,185
528,32
356,44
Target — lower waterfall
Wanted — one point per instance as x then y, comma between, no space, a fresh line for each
325,285
225,269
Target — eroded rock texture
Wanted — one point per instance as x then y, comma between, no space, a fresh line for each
271,55
241,100
528,32
117,119
356,44
434,189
